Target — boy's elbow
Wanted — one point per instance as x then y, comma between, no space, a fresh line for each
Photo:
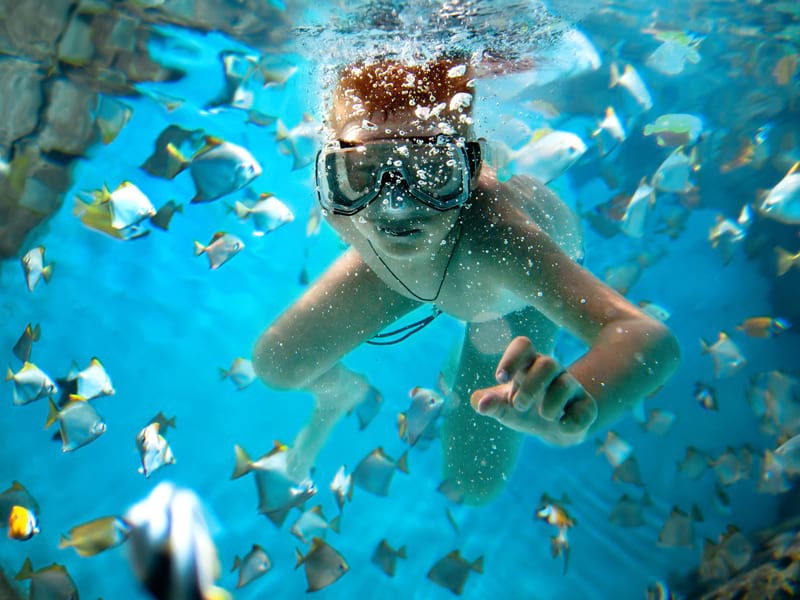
275,367
666,351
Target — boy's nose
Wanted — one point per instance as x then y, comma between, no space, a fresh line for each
395,196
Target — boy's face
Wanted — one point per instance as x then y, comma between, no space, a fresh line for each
396,223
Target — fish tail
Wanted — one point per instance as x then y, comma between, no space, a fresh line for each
26,572
785,261
335,523
47,273
298,557
52,415
176,161
402,423
198,248
64,542
402,463
36,332
223,373
477,565
243,463
614,75
282,131
401,552
704,346
9,374
236,562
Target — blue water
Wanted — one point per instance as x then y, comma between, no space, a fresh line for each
162,323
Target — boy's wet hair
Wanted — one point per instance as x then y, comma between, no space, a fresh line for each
388,87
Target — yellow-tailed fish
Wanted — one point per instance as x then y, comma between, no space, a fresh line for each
222,247
93,381
628,472
30,384
675,129
312,523
385,557
278,492
268,214
610,132
50,583
676,49
426,406
97,215
629,512
218,168
375,471
782,202
635,218
616,449
678,529
451,571
727,357
633,84
153,450
23,523
694,463
34,268
323,565
763,327
129,206
163,215
79,423
255,564
241,373
342,487
96,536
24,346
170,548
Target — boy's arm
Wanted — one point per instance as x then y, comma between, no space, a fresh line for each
630,354
346,306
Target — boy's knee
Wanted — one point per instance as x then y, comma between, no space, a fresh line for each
273,366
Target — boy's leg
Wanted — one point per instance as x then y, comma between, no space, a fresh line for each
479,452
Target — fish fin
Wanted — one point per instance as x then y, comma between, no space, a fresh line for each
240,209
26,572
176,161
705,346
335,522
402,463
477,565
64,542
282,132
223,373
52,415
9,374
298,557
614,75
785,261
402,423
47,273
198,248
36,333
794,168
401,552
243,463
236,562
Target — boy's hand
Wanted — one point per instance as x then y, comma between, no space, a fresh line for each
536,395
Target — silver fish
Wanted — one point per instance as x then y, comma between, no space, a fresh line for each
629,512
93,381
79,423
222,247
35,269
30,384
24,346
312,523
678,529
154,449
323,565
128,204
241,373
727,356
375,471
451,571
342,487
268,214
426,406
218,168
788,454
782,202
368,408
51,583
255,564
385,557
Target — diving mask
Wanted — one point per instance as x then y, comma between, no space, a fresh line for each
437,171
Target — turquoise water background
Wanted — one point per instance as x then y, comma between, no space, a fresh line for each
162,323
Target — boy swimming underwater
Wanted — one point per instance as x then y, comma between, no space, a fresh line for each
429,223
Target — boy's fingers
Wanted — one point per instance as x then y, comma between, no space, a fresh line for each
579,415
489,402
563,388
519,354
535,381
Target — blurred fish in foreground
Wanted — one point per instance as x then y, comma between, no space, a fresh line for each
170,548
